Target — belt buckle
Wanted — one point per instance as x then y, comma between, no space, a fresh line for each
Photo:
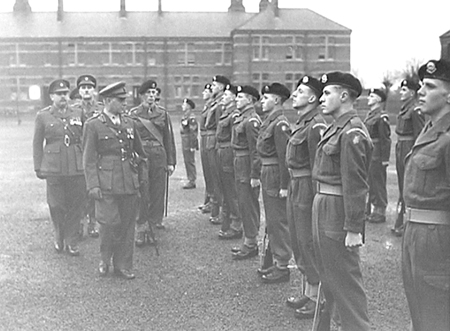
66,140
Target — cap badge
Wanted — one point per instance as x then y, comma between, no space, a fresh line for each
324,79
305,80
431,68
239,88
85,78
266,88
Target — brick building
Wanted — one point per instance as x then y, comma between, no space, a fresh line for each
445,45
180,50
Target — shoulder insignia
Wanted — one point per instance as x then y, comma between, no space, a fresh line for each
45,109
255,121
322,128
284,125
357,138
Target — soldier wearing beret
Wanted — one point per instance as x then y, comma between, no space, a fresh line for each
57,154
155,129
409,123
112,156
341,170
426,242
377,123
231,223
207,97
271,146
189,141
247,169
300,154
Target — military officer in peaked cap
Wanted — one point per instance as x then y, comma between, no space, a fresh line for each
57,154
247,169
377,123
155,129
271,145
426,242
341,171
410,122
189,141
300,154
113,160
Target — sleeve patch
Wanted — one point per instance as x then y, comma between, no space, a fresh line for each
357,138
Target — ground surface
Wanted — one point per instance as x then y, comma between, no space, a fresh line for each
192,285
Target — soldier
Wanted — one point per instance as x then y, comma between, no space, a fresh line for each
155,129
60,127
112,153
231,224
426,242
377,123
409,123
300,154
158,96
207,96
75,96
89,106
247,170
341,171
189,141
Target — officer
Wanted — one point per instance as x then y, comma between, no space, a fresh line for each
207,97
426,242
271,146
247,169
57,154
377,123
231,224
189,141
409,123
155,129
300,154
341,170
86,85
112,153
75,96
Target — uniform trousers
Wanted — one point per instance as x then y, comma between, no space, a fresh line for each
377,185
230,208
206,169
189,164
116,215
426,275
216,197
402,148
299,214
339,267
276,217
66,198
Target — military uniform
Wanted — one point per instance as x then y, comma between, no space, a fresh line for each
207,175
189,143
341,170
159,146
377,123
60,162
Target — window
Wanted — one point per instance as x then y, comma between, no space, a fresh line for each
223,54
93,54
261,48
327,48
186,54
259,80
122,53
70,54
186,86
291,79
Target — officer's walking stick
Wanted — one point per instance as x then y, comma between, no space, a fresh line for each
318,308
166,198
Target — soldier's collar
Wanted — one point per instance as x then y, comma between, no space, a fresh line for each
344,118
308,115
247,109
274,114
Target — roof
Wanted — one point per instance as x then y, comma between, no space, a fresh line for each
151,24
447,34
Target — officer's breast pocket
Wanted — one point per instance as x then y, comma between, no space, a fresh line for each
294,152
105,173
105,141
332,161
51,161
430,173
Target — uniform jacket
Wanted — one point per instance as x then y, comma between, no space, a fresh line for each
377,123
409,121
212,119
272,140
107,156
161,120
62,134
427,171
203,116
225,124
89,109
244,136
189,131
343,157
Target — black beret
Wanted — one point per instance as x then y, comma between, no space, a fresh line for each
208,87
231,88
150,84
278,89
221,79
342,79
378,92
75,94
247,89
312,83
86,80
114,90
435,69
189,102
59,85
158,90
411,84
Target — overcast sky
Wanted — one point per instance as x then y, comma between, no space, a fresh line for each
386,34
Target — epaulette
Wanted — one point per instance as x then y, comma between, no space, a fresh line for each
320,125
45,109
385,117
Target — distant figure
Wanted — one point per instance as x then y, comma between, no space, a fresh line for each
189,141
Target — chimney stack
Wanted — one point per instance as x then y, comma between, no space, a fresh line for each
276,10
236,6
21,7
60,12
263,4
123,10
160,7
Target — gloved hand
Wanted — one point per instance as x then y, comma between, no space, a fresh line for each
170,169
39,175
95,193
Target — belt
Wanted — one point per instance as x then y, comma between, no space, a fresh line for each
210,132
224,144
202,133
151,143
299,173
269,161
405,138
427,216
241,152
375,140
329,189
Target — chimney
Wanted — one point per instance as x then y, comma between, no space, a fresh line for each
22,7
160,7
60,12
276,10
263,4
123,10
236,6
